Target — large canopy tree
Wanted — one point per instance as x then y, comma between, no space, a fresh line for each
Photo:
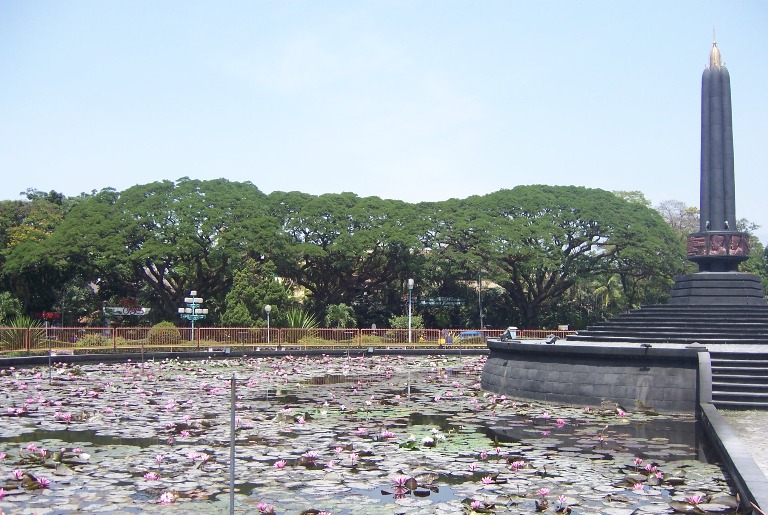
25,225
166,238
153,243
542,239
341,247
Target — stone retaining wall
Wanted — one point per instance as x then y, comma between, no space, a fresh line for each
663,379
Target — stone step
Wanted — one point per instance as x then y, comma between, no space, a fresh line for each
665,331
756,397
720,388
598,336
728,377
744,373
693,321
715,308
740,405
726,362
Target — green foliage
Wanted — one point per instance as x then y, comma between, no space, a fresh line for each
757,263
633,196
164,333
164,239
401,322
536,245
255,286
14,338
10,307
25,229
339,315
300,319
92,340
371,339
343,249
539,241
304,323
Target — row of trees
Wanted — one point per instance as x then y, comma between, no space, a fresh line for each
531,256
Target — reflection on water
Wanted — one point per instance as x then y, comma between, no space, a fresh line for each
439,421
679,438
79,437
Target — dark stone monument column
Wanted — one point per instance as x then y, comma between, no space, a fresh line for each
717,248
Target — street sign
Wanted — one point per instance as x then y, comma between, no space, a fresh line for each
440,301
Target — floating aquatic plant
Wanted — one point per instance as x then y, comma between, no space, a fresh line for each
339,458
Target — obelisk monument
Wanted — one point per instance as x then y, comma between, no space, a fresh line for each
718,247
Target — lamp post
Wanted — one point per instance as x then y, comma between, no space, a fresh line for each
193,311
480,297
267,310
410,307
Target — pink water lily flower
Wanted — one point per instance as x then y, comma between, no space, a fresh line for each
279,464
265,508
400,481
487,480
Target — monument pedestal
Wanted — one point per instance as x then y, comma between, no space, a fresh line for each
717,289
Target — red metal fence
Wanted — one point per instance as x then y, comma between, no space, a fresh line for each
39,340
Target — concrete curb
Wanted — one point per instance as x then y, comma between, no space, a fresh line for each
750,482
21,361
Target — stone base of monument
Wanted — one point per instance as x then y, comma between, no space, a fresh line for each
718,289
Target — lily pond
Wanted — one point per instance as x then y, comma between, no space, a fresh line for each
342,435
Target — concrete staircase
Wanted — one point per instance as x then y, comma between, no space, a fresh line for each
683,324
740,380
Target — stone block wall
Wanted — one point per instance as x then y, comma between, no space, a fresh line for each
662,379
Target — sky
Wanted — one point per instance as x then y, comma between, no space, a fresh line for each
412,100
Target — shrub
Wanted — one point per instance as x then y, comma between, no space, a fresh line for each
164,333
14,338
401,322
304,322
131,334
93,341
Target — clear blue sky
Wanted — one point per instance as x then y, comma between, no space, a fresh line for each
414,100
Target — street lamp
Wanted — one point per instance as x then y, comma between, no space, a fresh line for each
267,309
480,297
193,311
410,305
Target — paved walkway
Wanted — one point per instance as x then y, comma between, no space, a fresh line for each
750,427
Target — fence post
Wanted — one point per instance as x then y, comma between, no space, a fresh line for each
113,330
28,338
